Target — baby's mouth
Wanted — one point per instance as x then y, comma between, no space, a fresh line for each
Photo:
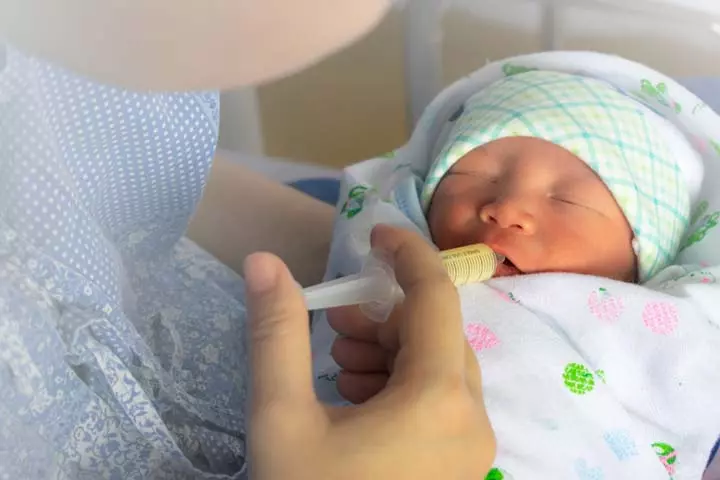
507,269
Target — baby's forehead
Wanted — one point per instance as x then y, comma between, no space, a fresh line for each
528,155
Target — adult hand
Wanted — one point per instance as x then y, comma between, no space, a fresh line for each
367,351
427,422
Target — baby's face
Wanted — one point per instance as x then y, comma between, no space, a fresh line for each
537,204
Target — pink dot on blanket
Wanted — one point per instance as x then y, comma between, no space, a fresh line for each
660,317
480,337
605,306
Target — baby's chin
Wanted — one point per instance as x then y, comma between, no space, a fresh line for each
508,269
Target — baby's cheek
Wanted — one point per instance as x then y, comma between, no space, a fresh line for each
450,221
611,257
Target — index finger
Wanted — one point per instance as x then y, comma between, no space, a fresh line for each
430,325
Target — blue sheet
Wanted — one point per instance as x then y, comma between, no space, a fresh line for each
707,88
324,189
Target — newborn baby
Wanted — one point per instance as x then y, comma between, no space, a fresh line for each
572,176
598,341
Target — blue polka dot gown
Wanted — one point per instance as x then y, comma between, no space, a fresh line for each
121,343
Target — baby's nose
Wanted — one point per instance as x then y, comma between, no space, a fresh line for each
510,213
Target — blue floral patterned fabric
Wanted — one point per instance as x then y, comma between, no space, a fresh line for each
121,343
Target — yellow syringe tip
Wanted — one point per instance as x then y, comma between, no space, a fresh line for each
470,264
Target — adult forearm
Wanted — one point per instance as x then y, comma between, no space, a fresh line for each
242,212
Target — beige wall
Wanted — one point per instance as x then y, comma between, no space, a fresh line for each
352,105
346,109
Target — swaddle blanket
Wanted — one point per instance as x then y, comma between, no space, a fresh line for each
584,377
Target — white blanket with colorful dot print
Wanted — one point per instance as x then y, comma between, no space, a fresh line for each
584,378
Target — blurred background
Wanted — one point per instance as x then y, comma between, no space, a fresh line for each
353,105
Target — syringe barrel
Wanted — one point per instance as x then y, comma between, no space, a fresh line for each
376,289
470,264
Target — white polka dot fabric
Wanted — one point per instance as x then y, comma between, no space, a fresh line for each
121,345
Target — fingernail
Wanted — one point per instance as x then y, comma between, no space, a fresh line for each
261,272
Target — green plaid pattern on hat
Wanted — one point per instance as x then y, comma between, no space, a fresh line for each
602,126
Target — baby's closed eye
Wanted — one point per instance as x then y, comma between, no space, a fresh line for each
576,200
566,198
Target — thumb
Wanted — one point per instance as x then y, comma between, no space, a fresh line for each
279,333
